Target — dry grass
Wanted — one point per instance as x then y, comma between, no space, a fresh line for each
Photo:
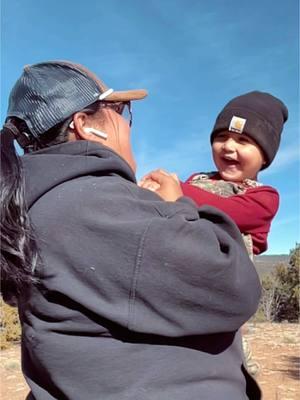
10,330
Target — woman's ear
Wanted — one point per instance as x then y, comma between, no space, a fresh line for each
83,131
78,126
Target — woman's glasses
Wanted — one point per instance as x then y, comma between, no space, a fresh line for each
123,108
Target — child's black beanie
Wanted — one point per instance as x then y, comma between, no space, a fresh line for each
258,115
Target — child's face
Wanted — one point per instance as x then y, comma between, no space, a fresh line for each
237,156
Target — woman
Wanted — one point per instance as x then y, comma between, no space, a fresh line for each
120,294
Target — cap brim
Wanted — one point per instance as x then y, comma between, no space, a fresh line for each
128,95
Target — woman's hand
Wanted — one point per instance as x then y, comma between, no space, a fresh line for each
165,184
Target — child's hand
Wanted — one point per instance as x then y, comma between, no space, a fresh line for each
148,183
166,185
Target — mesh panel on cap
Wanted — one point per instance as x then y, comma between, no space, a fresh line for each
48,93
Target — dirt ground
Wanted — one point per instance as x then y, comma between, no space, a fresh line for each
276,347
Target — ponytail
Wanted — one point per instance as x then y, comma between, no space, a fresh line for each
19,253
18,248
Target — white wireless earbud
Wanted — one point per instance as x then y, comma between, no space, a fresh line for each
95,132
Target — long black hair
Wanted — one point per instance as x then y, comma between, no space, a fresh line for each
18,248
19,251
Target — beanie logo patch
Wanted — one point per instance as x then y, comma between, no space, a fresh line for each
237,124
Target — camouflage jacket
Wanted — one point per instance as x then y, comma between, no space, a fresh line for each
207,181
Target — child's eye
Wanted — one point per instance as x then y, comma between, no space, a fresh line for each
221,137
244,140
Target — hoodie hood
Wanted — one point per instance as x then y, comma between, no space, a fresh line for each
49,167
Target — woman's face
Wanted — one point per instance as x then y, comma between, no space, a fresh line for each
118,134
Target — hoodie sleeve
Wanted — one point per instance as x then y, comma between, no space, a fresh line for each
149,266
193,276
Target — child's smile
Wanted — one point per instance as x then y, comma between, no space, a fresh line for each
229,160
237,156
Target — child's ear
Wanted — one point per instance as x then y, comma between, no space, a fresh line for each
263,165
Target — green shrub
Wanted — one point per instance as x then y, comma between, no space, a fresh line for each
288,277
280,291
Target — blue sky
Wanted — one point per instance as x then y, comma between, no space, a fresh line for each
192,56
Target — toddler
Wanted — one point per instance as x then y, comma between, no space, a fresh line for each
245,140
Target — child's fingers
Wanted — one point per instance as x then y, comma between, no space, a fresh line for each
149,184
166,173
175,176
146,177
158,176
153,187
159,171
162,171
144,182
166,185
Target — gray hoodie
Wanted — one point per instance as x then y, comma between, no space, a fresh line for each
138,298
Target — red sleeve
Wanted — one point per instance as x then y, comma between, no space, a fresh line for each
252,211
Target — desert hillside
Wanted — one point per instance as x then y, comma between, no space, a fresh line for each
265,264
